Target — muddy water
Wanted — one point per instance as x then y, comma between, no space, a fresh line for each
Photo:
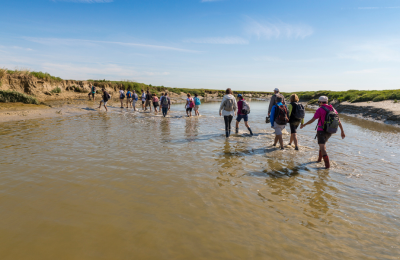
123,185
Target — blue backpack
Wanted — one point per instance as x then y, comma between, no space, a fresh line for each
128,94
197,101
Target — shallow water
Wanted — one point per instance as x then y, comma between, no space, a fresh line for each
124,185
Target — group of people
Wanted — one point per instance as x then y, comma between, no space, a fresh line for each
148,100
280,114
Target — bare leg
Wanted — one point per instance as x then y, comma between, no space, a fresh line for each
291,139
106,108
295,140
276,140
280,140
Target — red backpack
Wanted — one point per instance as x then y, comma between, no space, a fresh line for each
281,115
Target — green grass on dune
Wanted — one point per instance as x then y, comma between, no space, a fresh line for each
14,96
350,95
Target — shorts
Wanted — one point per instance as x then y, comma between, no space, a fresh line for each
128,99
148,103
293,128
105,102
240,117
122,98
278,129
134,102
189,109
323,137
155,104
143,102
92,94
196,107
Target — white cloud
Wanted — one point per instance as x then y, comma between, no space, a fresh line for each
85,1
374,51
268,30
218,40
114,71
80,42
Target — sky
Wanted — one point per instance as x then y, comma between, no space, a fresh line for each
254,45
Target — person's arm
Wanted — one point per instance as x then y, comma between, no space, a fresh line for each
272,117
235,107
290,108
342,131
221,107
169,103
271,104
309,122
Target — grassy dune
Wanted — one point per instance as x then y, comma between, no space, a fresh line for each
350,95
14,96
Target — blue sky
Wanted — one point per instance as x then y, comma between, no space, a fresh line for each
243,44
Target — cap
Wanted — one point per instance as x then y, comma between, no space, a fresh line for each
323,99
239,95
276,89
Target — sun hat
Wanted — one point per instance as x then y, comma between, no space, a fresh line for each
276,89
323,99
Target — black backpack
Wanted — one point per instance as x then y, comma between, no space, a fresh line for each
331,123
299,111
281,115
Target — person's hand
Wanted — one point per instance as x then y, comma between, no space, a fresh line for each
343,135
269,114
302,126
272,126
220,114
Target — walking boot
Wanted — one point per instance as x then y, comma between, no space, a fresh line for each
326,160
237,130
320,156
251,133
227,134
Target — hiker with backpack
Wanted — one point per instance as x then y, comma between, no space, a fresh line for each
121,97
155,103
143,99
165,104
243,113
197,104
328,123
273,100
189,105
92,92
149,97
106,97
134,99
128,98
296,117
228,110
279,117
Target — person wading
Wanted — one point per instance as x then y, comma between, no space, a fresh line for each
242,113
273,100
328,123
92,92
143,99
189,105
296,116
106,97
148,100
197,104
121,97
279,118
134,99
155,103
128,98
165,104
228,110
